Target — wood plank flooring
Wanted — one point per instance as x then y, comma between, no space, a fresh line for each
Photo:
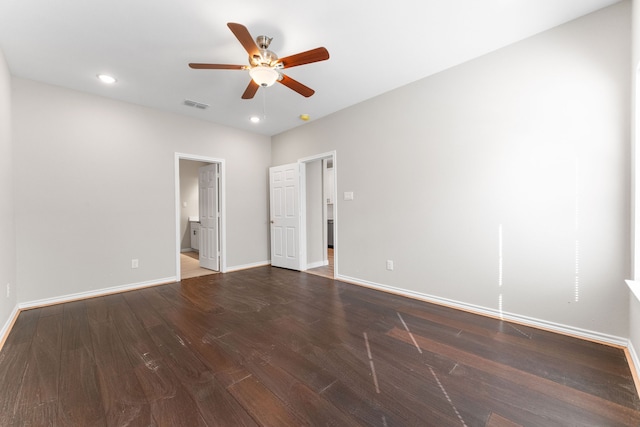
273,347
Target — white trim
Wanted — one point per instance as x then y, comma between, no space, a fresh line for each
248,266
325,207
4,332
634,246
634,363
317,264
327,155
334,156
92,294
634,287
302,220
223,206
634,355
525,320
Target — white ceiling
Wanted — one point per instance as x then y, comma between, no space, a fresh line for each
375,46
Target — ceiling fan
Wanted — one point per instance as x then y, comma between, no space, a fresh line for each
264,66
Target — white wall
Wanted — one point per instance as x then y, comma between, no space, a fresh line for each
188,195
94,182
634,303
7,224
530,143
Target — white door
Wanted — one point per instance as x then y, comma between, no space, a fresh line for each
285,216
208,184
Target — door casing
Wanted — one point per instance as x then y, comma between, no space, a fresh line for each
223,216
303,208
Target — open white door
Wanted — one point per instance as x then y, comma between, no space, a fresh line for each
208,185
284,185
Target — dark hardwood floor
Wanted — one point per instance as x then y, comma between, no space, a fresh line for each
272,347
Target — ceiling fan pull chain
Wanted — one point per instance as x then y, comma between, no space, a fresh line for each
264,105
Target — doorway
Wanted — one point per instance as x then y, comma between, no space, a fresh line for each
320,214
191,238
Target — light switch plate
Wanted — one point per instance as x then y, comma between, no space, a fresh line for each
348,195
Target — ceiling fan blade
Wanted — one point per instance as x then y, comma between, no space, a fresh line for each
251,90
297,86
216,66
244,37
313,55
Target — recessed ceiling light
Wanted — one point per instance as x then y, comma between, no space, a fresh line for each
105,78
255,119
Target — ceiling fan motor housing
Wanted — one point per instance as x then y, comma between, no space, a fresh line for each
263,42
266,58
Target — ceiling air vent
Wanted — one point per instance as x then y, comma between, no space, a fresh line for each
194,104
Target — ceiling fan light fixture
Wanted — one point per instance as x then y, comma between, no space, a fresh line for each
264,76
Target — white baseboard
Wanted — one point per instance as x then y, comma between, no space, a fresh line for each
536,323
6,328
635,362
91,294
317,264
511,317
247,266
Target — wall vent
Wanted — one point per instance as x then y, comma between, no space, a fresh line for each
194,104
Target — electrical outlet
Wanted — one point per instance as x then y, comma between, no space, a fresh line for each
389,265
8,289
134,263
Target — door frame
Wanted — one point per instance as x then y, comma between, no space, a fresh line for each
303,205
223,216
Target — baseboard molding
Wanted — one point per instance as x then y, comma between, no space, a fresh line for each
317,264
634,364
4,332
92,294
247,266
122,288
511,317
525,320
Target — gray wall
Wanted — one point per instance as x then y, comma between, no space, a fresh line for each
95,188
634,303
7,225
501,184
